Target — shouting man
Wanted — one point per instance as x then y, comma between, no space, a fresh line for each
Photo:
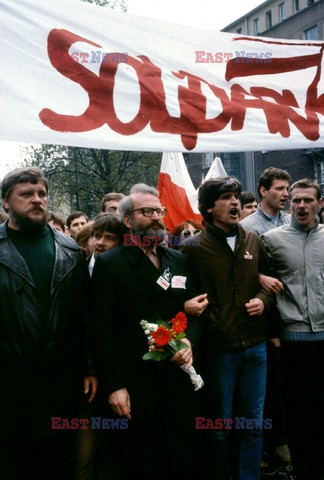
225,262
296,253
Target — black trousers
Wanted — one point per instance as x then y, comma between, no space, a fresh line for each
303,370
37,459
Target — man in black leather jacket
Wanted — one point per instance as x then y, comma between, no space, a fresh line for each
43,285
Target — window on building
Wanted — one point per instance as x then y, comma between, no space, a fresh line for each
231,162
282,11
239,31
295,5
268,19
311,33
256,26
319,172
208,159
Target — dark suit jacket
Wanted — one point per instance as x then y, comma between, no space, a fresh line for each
125,291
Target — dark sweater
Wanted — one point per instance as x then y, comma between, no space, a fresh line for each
38,251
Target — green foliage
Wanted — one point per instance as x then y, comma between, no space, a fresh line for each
156,355
80,177
175,345
180,336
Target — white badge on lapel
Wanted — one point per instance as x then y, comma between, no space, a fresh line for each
178,281
163,283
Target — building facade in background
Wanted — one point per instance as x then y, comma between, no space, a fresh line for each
289,19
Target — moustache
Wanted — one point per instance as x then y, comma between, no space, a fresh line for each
36,209
155,223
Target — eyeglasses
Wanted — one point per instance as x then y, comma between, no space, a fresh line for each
111,209
148,211
188,233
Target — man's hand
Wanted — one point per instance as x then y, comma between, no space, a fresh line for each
120,403
254,307
184,356
196,305
275,342
271,284
90,384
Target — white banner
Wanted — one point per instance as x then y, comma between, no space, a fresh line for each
78,74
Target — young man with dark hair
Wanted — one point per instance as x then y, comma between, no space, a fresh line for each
273,191
248,204
107,233
43,317
75,221
269,175
296,255
226,263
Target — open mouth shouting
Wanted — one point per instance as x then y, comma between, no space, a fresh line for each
234,212
302,214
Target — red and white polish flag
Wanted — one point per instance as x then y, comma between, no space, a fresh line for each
176,190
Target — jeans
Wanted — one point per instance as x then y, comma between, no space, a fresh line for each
237,382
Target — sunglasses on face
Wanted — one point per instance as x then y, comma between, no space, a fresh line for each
188,233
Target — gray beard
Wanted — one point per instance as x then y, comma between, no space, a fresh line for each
156,236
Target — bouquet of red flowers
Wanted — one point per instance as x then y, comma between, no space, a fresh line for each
165,339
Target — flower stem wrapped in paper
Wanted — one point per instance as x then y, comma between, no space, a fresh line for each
165,339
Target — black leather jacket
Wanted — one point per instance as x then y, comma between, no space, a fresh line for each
41,365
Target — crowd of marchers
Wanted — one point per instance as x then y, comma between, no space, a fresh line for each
78,400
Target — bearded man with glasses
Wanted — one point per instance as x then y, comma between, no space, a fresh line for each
142,279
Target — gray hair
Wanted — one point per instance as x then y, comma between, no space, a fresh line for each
126,204
143,188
